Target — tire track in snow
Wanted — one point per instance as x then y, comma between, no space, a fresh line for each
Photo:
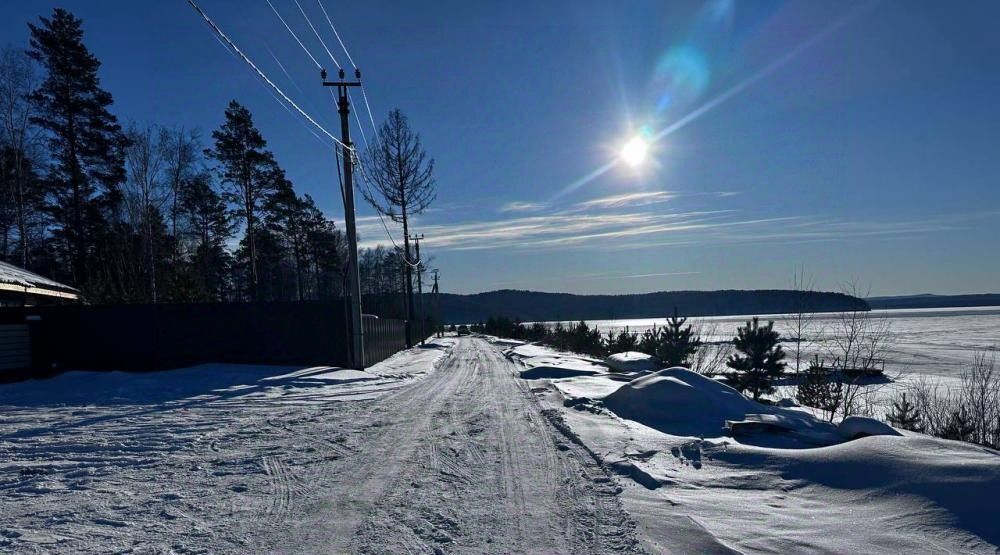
464,461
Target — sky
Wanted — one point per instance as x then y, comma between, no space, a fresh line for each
856,140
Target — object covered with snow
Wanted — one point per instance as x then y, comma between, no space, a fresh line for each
854,427
631,361
679,402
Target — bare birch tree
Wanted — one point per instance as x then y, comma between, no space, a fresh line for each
146,192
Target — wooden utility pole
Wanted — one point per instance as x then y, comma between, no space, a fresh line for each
420,289
354,283
439,325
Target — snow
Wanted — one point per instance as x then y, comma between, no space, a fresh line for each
784,481
631,361
202,459
679,402
854,427
438,449
13,275
458,447
543,363
939,342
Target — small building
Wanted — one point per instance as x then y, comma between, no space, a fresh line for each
19,287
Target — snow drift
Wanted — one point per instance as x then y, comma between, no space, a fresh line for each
631,361
679,402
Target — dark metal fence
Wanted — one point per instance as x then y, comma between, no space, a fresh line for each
152,337
383,338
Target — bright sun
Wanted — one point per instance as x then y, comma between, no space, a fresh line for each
634,152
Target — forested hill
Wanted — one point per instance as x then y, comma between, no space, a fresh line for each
935,301
535,306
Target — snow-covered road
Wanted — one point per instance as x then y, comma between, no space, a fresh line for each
462,462
440,449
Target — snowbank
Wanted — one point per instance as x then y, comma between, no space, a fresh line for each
631,361
914,486
679,402
785,481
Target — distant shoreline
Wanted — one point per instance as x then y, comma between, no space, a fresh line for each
935,301
533,306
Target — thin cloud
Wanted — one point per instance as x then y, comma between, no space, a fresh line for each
522,206
635,229
626,199
635,276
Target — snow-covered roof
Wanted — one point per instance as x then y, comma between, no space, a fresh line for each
17,279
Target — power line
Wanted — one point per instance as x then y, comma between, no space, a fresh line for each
309,21
291,79
364,95
361,127
294,36
261,73
336,34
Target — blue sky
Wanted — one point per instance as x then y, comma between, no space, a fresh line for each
856,139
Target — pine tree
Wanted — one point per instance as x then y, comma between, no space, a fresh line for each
758,360
812,391
85,142
676,343
250,174
819,389
959,426
905,416
209,228
326,251
621,342
648,341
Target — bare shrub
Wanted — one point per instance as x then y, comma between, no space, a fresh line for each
859,340
971,412
710,359
980,399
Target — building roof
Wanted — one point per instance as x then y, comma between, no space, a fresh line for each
20,280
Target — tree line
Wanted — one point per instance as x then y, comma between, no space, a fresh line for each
143,212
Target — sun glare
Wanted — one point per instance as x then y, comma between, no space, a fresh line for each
635,150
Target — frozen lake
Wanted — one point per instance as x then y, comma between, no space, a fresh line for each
934,341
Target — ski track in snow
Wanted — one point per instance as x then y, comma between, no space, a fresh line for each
445,451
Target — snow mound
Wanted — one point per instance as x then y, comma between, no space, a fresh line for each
679,402
926,486
631,361
854,427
